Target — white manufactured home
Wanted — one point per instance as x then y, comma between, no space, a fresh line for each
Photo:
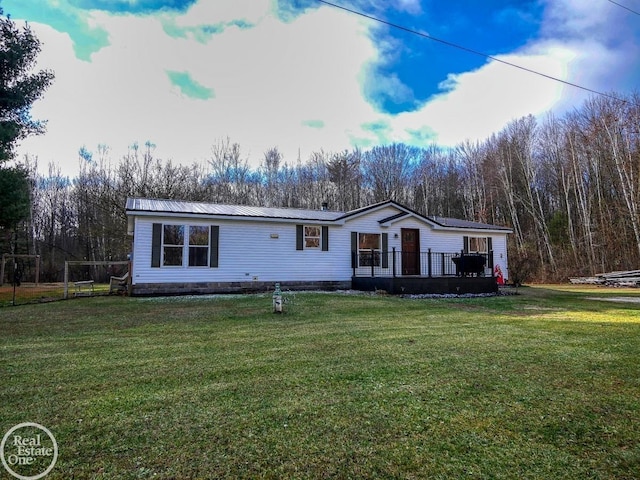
184,247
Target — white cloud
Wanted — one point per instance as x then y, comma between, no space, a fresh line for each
603,37
577,18
203,13
410,6
481,102
298,85
476,104
268,80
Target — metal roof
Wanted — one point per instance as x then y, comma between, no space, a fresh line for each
457,223
215,209
150,205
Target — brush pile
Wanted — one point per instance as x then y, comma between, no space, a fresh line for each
630,278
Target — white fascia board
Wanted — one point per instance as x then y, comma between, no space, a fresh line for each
476,231
419,218
446,228
199,216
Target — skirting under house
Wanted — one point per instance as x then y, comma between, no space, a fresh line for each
396,286
202,288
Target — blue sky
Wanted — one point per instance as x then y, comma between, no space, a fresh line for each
304,76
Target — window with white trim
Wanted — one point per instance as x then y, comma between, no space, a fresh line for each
369,249
192,248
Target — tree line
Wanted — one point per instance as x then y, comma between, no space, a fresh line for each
568,187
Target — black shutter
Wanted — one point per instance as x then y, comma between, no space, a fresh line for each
214,246
299,237
490,252
156,245
465,244
385,250
354,249
325,239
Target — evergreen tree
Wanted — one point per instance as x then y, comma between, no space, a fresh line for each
19,86
14,196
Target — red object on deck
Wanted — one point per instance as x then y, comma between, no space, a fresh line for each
498,274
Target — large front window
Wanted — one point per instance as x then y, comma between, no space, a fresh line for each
369,248
178,247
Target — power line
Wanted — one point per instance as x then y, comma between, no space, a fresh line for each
470,50
626,8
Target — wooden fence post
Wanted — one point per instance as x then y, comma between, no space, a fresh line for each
66,279
4,259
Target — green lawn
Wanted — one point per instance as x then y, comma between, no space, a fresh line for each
542,385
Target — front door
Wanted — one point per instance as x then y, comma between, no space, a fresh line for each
410,251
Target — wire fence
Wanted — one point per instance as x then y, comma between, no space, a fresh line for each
20,283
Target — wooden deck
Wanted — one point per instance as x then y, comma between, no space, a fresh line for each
420,285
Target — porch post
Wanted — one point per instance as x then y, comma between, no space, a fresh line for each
429,262
354,259
490,262
373,273
393,261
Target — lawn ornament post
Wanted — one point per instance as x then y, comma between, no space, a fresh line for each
277,299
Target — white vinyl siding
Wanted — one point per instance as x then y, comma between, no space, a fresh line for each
439,241
266,250
248,250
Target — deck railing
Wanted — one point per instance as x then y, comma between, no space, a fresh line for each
395,263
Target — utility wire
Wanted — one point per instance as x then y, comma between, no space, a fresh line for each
626,8
470,50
